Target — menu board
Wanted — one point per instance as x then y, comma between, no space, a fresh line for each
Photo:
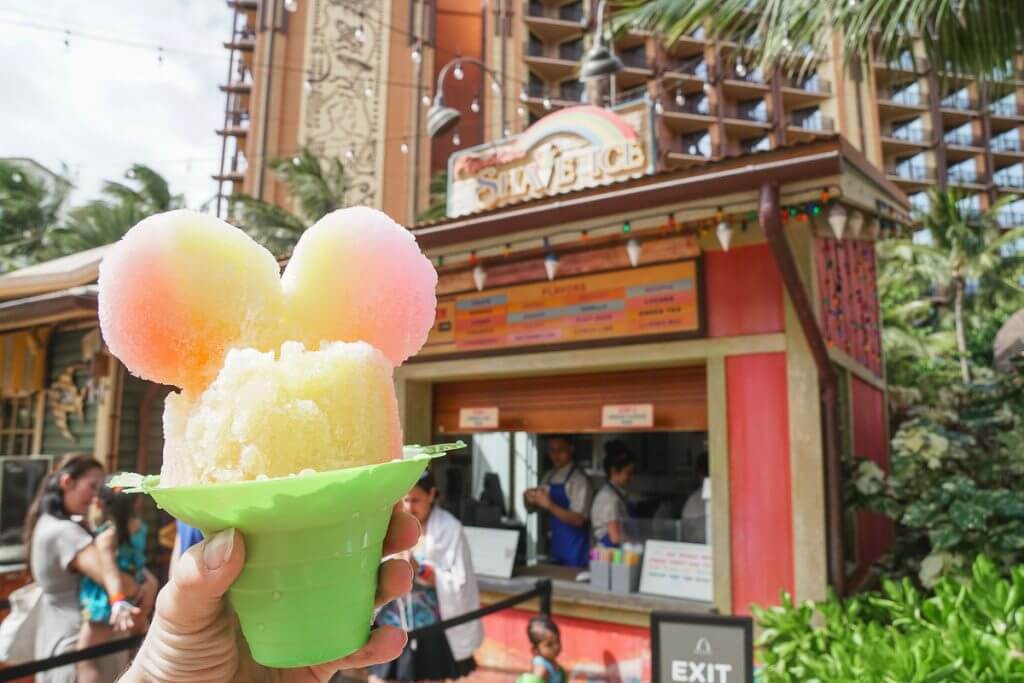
639,302
678,570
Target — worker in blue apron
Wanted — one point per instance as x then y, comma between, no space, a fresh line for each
612,512
565,494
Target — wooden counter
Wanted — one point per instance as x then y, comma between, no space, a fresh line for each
577,599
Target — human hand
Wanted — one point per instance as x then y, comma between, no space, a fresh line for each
194,636
542,499
122,615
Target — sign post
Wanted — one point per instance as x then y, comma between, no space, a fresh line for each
701,648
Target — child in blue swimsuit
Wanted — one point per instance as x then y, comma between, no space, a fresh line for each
120,511
547,645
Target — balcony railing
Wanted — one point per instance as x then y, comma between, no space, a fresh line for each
912,98
812,122
534,49
691,105
1014,180
920,202
685,145
957,174
751,76
813,84
918,136
1006,109
1007,144
752,114
536,90
959,101
570,91
635,93
695,66
1008,218
961,138
912,172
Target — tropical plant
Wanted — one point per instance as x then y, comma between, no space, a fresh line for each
438,201
963,631
103,221
317,186
29,207
967,255
954,464
973,37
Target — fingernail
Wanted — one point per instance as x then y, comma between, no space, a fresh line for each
218,548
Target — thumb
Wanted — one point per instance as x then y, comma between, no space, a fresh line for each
201,578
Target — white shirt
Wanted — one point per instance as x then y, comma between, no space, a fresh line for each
577,487
446,549
608,507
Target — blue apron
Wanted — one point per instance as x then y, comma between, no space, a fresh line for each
605,540
569,544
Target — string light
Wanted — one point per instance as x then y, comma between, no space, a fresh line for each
472,257
425,100
416,55
160,56
458,72
680,100
350,154
291,5
546,102
456,140
671,223
507,132
627,227
308,85
368,90
360,33
495,87
521,110
659,108
506,250
67,39
404,148
584,236
523,97
474,106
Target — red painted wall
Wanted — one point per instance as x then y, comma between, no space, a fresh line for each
591,650
744,292
874,532
759,479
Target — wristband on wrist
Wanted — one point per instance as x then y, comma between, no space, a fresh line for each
118,597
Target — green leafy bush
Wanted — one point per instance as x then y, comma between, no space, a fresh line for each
964,631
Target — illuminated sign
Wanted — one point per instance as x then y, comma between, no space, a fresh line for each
572,149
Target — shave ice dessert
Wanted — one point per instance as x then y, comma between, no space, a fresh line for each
285,423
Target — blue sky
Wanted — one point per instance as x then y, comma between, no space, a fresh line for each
98,106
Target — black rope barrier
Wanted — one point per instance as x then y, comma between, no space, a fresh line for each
541,590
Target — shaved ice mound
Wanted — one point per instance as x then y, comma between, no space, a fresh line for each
284,414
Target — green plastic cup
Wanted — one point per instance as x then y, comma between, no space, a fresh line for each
313,546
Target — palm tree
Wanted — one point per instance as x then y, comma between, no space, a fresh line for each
438,199
29,207
969,261
103,221
973,37
318,186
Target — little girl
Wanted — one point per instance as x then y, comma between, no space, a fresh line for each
119,510
547,645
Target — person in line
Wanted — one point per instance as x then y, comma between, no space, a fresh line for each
119,511
695,516
546,644
196,637
565,494
60,552
611,511
445,587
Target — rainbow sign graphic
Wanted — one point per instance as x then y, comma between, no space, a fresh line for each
571,149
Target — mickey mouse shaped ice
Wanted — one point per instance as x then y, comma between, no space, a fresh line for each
279,374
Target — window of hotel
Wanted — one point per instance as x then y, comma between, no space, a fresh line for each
18,424
961,135
634,56
571,91
1011,215
970,205
964,172
535,46
959,99
752,110
571,50
911,167
1005,106
572,11
919,201
1007,142
696,143
535,86
911,130
907,94
1011,176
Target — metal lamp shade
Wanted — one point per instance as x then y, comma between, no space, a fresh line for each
441,119
599,62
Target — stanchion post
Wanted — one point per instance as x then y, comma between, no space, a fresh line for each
544,593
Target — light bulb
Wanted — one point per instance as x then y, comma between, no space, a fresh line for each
547,102
740,69
459,73
495,87
707,88
360,33
368,90
456,140
291,5
16,178
474,106
350,154
522,95
403,148
786,44
308,86
659,108
296,161
508,132
521,111
680,100
416,55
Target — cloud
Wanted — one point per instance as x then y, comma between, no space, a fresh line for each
98,107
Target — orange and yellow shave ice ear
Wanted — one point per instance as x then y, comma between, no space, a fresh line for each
179,290
357,275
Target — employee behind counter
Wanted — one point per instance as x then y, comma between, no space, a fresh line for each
565,494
